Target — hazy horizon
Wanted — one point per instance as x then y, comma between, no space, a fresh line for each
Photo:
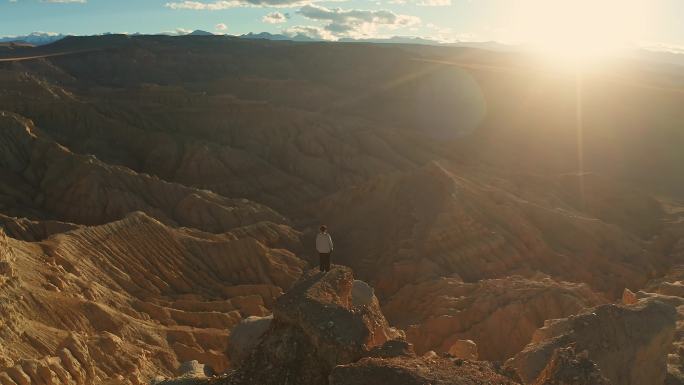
612,23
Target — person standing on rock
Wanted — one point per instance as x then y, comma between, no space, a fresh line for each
324,246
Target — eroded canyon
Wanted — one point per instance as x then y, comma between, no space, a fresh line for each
156,192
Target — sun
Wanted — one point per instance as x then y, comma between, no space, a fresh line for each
580,33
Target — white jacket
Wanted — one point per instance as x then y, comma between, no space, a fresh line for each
324,243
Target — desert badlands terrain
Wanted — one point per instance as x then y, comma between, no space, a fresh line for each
495,222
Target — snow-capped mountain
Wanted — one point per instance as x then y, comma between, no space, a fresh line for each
35,38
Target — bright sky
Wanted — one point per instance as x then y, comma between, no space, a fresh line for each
569,22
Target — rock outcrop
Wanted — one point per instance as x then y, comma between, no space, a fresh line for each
566,367
667,289
629,344
417,371
315,328
318,337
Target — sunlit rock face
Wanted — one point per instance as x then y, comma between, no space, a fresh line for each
132,297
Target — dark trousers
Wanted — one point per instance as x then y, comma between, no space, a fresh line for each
325,261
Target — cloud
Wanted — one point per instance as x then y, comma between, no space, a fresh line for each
663,47
225,4
220,27
275,18
423,3
64,1
311,31
446,34
434,3
177,32
357,22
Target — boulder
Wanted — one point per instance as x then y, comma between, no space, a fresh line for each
194,369
246,336
465,349
362,293
628,343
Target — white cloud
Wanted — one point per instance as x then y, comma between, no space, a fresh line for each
311,31
434,3
275,18
357,22
225,4
662,47
64,1
177,32
424,3
220,27
446,34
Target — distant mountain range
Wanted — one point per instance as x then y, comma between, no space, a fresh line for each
666,57
277,36
43,38
35,38
300,37
199,32
490,45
